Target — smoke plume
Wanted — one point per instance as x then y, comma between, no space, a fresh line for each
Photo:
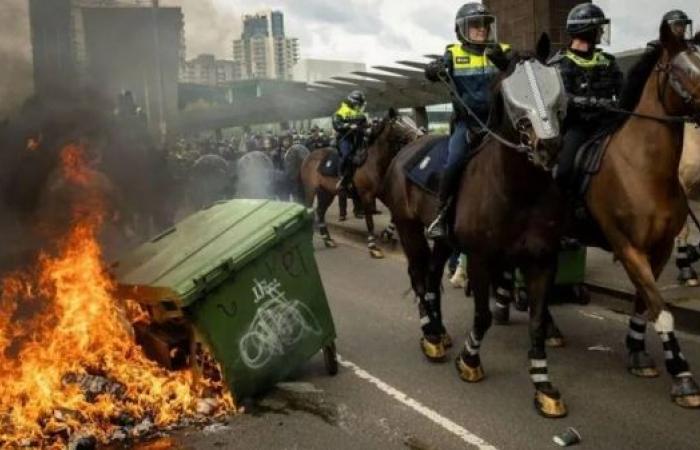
208,28
15,55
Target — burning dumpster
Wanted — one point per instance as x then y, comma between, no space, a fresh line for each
243,274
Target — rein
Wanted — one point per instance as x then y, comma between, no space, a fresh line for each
521,148
687,98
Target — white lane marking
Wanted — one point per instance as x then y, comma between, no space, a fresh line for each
444,422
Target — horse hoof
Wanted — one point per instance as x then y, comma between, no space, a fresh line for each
685,392
446,340
468,373
330,243
550,406
435,352
693,282
641,365
554,342
376,253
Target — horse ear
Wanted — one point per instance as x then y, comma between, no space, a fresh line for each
672,43
544,48
393,113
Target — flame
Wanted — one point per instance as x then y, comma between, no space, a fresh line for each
60,325
33,143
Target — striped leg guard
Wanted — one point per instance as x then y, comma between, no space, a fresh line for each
539,374
684,259
676,364
472,344
635,333
429,310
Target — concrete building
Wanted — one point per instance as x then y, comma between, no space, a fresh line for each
109,46
264,51
206,70
310,70
521,22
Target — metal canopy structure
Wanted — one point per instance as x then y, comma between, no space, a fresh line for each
400,86
386,87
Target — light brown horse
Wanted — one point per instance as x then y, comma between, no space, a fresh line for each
638,203
387,138
689,174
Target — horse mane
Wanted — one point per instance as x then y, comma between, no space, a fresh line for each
637,78
377,131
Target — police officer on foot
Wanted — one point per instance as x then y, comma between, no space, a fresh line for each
350,124
592,80
469,66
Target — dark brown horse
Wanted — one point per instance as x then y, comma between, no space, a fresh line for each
508,213
387,138
637,201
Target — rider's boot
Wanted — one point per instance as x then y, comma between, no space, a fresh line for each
438,229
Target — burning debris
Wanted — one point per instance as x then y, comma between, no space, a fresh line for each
71,372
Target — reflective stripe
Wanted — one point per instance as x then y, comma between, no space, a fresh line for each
425,320
638,320
539,377
347,112
684,374
599,59
637,336
465,62
503,292
539,363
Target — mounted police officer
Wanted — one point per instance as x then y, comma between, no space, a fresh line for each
469,67
350,124
592,80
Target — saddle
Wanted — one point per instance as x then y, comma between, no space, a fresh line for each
425,168
330,165
587,161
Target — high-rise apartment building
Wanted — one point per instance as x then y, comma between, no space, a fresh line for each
206,70
264,51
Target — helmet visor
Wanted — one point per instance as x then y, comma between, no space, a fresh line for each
478,29
682,28
605,34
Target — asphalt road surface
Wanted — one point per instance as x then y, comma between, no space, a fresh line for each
387,395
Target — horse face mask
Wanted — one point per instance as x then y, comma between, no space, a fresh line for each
534,96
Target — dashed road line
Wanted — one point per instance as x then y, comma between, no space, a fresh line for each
445,423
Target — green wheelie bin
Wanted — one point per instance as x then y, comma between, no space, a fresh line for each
243,273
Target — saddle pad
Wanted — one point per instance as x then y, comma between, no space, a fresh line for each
425,168
330,165
587,162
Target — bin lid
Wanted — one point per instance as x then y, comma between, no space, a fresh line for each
202,250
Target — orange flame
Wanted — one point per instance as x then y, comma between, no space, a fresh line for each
60,325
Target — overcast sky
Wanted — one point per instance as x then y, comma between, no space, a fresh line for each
382,31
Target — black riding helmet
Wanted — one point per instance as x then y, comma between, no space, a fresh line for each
680,23
587,21
475,15
357,99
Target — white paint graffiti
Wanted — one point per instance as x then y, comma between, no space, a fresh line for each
279,324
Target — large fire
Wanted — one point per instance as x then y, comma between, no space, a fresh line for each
69,364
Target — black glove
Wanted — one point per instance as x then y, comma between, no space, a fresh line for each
498,57
436,70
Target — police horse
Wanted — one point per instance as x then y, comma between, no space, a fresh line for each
319,173
508,213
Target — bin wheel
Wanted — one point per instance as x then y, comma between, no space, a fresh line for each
581,294
330,357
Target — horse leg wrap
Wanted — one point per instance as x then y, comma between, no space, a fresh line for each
539,373
371,242
676,364
636,333
429,310
323,229
472,344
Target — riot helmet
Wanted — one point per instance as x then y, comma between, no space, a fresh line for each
681,25
475,25
588,22
357,99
